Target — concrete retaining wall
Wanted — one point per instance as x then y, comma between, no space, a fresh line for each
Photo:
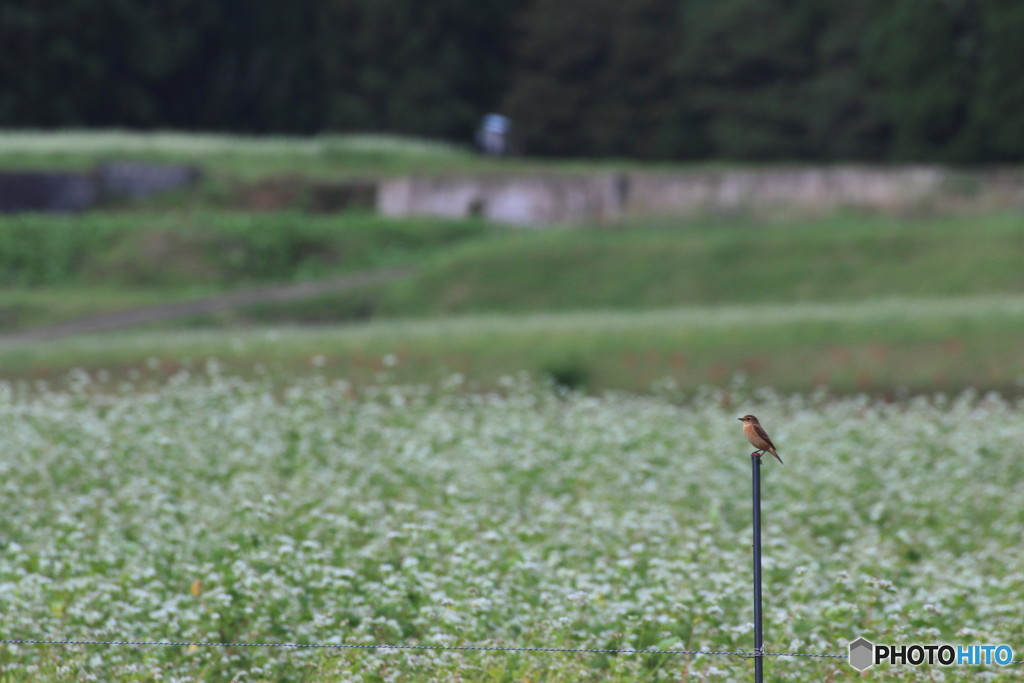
546,199
137,179
811,188
53,191
520,200
608,197
45,191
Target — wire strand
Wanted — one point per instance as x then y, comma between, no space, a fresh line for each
492,648
746,654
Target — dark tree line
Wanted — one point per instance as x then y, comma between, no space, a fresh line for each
673,79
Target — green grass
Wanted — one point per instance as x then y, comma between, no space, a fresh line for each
841,258
251,157
885,347
22,308
236,155
705,262
58,268
218,509
466,267
210,248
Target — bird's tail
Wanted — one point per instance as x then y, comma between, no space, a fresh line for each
776,456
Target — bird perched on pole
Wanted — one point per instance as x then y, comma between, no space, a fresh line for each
757,436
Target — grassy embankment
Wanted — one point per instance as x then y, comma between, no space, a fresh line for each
849,303
57,268
924,345
958,281
722,261
255,157
467,267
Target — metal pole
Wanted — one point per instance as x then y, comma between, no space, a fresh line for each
755,466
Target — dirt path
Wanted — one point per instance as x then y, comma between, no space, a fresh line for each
213,304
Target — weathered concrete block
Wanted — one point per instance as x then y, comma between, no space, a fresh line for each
45,191
139,179
516,200
809,188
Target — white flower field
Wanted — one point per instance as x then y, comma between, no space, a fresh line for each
212,508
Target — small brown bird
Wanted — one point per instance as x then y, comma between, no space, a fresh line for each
757,437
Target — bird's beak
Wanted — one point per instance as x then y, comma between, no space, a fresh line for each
740,419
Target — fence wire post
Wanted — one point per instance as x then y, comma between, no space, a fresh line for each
755,469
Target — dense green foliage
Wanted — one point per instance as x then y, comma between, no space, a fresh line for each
228,65
426,68
208,248
739,79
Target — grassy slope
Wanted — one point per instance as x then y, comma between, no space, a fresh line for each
467,267
241,156
922,345
61,267
250,157
964,328
842,258
734,262
210,248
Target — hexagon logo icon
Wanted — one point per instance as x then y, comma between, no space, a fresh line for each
862,654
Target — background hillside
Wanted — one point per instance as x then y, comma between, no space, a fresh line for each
656,79
850,301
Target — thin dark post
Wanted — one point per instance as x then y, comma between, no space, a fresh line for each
755,462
